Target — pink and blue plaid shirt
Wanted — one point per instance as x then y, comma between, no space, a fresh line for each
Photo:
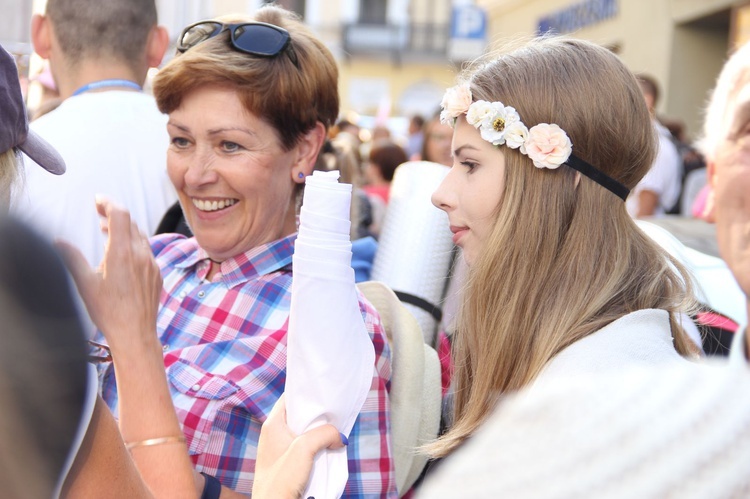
225,355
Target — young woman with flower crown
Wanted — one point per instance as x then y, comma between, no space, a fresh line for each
548,140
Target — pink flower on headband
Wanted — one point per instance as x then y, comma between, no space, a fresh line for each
456,102
548,146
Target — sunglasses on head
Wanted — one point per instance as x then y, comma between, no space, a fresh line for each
255,38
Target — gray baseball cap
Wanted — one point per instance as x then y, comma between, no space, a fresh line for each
14,123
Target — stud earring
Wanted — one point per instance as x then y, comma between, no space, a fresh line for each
301,175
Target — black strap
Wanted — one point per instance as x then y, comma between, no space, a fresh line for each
211,487
428,307
598,176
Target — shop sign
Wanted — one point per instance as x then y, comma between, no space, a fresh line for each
578,16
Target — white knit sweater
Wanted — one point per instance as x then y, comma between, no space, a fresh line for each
616,415
642,338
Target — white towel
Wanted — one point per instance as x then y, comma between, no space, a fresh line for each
330,356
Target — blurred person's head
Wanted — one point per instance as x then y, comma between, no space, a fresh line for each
15,136
43,372
416,124
676,128
46,81
380,132
725,104
650,91
726,146
344,126
437,142
50,97
83,36
385,156
245,128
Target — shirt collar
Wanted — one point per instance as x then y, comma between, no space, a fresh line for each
258,261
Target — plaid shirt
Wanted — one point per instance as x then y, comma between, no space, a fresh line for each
225,357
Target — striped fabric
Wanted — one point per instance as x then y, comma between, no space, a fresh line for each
225,357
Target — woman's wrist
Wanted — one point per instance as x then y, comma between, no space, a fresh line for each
133,343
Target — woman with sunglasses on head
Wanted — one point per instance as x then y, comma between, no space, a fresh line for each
249,101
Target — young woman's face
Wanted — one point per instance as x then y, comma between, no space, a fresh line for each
472,190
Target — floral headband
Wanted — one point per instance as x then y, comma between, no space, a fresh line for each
547,145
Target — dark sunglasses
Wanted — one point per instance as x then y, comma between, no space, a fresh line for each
104,355
259,39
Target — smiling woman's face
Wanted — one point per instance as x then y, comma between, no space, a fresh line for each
234,180
472,189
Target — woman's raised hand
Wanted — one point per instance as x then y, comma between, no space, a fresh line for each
122,296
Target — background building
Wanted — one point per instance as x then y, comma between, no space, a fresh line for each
682,43
393,54
397,56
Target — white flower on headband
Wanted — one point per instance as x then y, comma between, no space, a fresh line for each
548,145
455,103
516,135
479,112
493,119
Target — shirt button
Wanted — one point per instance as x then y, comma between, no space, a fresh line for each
196,387
165,347
201,294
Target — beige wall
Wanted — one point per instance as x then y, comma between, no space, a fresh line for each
396,80
664,38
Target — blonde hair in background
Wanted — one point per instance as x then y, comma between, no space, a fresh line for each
564,259
10,175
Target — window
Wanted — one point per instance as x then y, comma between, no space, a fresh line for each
372,11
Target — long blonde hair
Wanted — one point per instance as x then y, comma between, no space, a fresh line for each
10,176
564,259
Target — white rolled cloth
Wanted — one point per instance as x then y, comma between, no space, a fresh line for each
330,356
670,430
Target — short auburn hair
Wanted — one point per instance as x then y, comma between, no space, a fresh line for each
387,156
291,99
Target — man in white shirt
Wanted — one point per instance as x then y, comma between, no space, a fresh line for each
111,134
659,190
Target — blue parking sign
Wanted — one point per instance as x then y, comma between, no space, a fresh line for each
469,22
468,33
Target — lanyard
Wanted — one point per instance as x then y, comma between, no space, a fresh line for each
96,85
